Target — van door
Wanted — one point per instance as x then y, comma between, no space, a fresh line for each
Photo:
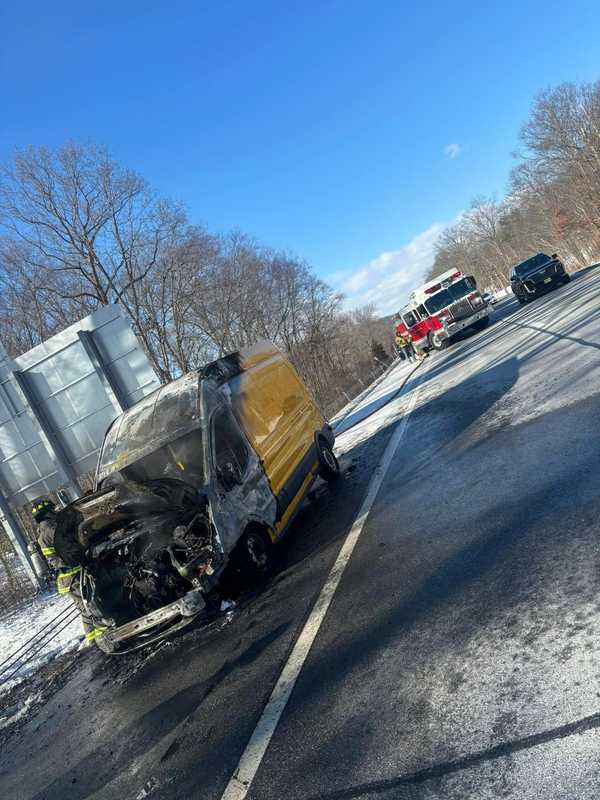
242,492
281,419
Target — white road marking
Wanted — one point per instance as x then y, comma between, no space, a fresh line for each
248,765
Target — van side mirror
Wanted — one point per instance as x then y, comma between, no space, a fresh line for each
554,255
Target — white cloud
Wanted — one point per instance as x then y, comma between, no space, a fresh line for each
452,151
388,279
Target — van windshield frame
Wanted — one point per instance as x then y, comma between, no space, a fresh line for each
159,419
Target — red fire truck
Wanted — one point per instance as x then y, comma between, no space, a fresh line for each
440,309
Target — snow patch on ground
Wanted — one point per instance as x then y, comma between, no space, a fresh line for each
382,407
18,712
24,621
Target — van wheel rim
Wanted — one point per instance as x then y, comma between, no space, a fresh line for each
257,551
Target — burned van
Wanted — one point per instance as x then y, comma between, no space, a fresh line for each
202,476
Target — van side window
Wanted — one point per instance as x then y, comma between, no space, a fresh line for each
231,452
423,312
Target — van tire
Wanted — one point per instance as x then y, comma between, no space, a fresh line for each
329,468
254,555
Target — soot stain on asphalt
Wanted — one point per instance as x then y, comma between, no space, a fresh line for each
42,685
139,735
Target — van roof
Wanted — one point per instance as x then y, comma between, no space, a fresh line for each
227,367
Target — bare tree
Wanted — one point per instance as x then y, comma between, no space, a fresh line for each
91,225
554,203
78,230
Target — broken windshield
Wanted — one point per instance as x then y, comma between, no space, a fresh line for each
182,459
157,420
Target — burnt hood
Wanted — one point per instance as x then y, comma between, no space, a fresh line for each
126,508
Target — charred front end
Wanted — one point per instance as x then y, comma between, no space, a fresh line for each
150,554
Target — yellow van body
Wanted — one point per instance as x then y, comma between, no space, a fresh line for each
280,419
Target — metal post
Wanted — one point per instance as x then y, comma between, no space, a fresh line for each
17,538
49,440
112,388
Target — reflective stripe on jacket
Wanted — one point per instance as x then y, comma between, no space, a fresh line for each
46,530
94,633
65,578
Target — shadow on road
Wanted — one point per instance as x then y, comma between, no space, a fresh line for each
503,750
583,294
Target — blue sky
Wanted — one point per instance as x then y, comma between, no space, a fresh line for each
318,127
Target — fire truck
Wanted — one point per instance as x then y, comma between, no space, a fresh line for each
441,309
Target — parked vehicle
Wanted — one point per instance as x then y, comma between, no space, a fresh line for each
441,309
490,298
197,480
536,276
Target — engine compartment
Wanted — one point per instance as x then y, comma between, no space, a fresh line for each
142,545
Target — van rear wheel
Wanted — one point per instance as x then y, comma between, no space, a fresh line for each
329,468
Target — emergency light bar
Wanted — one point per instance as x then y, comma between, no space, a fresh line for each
443,284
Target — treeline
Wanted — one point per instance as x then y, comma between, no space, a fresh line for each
79,230
553,204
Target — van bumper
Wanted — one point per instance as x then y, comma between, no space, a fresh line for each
155,625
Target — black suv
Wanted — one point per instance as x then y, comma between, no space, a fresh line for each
536,276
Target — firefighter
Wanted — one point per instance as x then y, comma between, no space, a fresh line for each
68,579
405,347
400,346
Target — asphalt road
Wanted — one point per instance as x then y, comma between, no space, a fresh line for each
458,657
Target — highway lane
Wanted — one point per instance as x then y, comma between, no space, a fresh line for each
458,657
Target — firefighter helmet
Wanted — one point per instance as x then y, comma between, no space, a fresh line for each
41,507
